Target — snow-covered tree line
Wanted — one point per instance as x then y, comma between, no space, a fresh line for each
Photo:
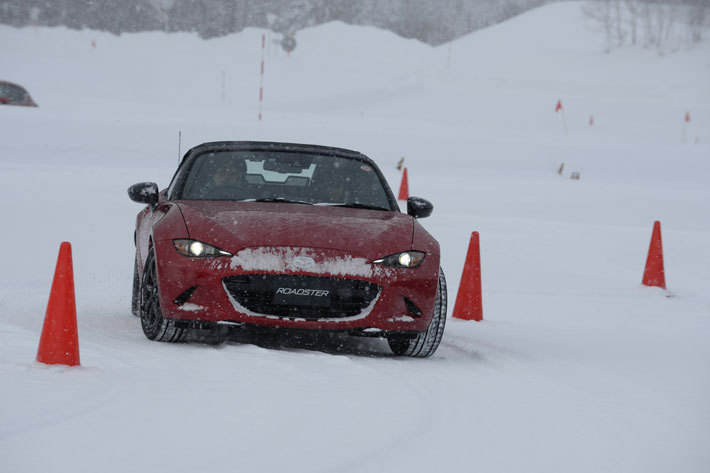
662,25
431,21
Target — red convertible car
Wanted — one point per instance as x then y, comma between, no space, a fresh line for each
285,235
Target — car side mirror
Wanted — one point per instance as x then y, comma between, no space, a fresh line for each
144,193
418,207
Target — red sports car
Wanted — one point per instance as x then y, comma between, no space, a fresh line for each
285,235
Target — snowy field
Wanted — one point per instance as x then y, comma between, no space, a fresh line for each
576,367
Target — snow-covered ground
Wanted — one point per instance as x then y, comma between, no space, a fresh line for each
576,367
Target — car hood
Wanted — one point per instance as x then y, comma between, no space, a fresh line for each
232,226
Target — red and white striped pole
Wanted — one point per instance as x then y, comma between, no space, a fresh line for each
558,108
261,83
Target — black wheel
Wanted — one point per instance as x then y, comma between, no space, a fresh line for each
155,327
136,294
424,344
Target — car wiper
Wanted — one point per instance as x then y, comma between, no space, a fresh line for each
282,200
356,205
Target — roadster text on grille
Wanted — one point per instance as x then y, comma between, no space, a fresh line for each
302,292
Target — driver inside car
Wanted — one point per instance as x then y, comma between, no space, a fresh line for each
348,183
330,185
228,179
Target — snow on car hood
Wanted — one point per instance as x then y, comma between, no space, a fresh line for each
233,226
286,259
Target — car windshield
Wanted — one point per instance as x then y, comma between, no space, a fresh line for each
12,93
267,176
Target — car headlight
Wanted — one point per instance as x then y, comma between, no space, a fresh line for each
406,259
197,248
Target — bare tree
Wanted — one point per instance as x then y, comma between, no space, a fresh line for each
659,24
632,9
601,12
697,18
163,8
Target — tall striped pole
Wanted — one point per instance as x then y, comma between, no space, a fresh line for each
261,84
558,108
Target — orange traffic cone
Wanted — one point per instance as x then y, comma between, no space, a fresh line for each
404,187
654,275
59,343
469,304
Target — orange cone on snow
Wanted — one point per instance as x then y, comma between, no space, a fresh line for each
59,343
654,274
469,302
404,187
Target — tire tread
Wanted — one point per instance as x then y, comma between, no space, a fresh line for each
426,343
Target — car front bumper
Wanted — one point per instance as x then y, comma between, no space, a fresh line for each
302,288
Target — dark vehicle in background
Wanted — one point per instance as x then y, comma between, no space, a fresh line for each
288,236
13,94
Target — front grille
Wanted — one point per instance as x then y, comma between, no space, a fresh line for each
306,297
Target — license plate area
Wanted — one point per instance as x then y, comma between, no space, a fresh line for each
302,295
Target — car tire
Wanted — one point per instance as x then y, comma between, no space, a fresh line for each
424,344
155,326
136,293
